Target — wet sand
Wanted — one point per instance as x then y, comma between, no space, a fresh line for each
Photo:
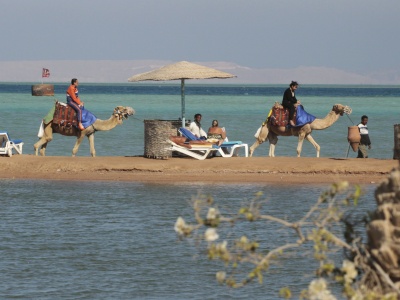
277,170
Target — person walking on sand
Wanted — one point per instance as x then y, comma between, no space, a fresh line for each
74,101
289,100
365,141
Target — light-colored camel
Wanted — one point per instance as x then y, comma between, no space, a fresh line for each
270,132
120,113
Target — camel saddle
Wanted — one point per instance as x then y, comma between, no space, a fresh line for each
279,115
64,115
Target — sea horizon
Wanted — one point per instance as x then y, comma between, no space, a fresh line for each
110,71
204,83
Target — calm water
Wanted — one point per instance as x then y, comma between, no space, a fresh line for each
115,240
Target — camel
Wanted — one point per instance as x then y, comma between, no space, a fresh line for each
119,114
270,132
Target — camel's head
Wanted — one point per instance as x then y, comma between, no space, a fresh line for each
341,109
122,112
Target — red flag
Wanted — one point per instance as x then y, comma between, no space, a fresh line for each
45,73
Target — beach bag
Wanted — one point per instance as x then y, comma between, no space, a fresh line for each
41,130
258,132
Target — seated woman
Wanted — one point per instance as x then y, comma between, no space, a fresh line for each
216,134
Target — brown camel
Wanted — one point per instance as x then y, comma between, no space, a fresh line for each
120,113
270,132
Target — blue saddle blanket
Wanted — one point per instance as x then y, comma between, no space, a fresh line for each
87,118
303,117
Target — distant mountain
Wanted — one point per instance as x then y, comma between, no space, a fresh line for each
118,71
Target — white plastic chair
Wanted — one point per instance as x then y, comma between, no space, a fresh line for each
7,145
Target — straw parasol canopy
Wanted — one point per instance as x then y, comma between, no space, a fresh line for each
181,71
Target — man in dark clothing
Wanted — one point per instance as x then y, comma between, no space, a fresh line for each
365,141
289,100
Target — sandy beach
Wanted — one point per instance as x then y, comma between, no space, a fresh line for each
277,170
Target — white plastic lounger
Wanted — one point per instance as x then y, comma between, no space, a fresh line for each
7,145
232,149
227,149
198,152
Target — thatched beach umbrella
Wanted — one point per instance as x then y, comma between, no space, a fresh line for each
181,71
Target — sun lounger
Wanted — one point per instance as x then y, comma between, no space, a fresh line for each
227,149
7,145
199,152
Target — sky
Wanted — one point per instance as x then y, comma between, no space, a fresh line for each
358,36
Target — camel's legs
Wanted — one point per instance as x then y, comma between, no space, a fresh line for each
314,143
41,144
300,144
91,144
77,144
253,147
259,140
43,150
36,146
273,140
271,150
79,141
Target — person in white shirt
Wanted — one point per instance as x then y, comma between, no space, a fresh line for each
195,127
365,141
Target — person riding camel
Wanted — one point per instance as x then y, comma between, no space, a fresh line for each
74,101
289,100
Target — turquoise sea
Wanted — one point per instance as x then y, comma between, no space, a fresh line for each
115,240
240,109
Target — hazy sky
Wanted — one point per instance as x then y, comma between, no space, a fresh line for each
352,35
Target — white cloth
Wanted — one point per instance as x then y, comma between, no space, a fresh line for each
197,130
257,133
363,128
226,138
41,130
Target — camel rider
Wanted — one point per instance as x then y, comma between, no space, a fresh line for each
289,100
74,101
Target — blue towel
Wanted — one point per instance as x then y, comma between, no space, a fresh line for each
227,144
231,143
303,117
87,118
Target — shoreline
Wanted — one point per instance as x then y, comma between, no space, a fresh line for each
252,170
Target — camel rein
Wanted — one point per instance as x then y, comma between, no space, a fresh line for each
350,119
348,111
348,149
137,119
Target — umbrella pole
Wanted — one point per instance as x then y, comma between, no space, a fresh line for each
183,101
